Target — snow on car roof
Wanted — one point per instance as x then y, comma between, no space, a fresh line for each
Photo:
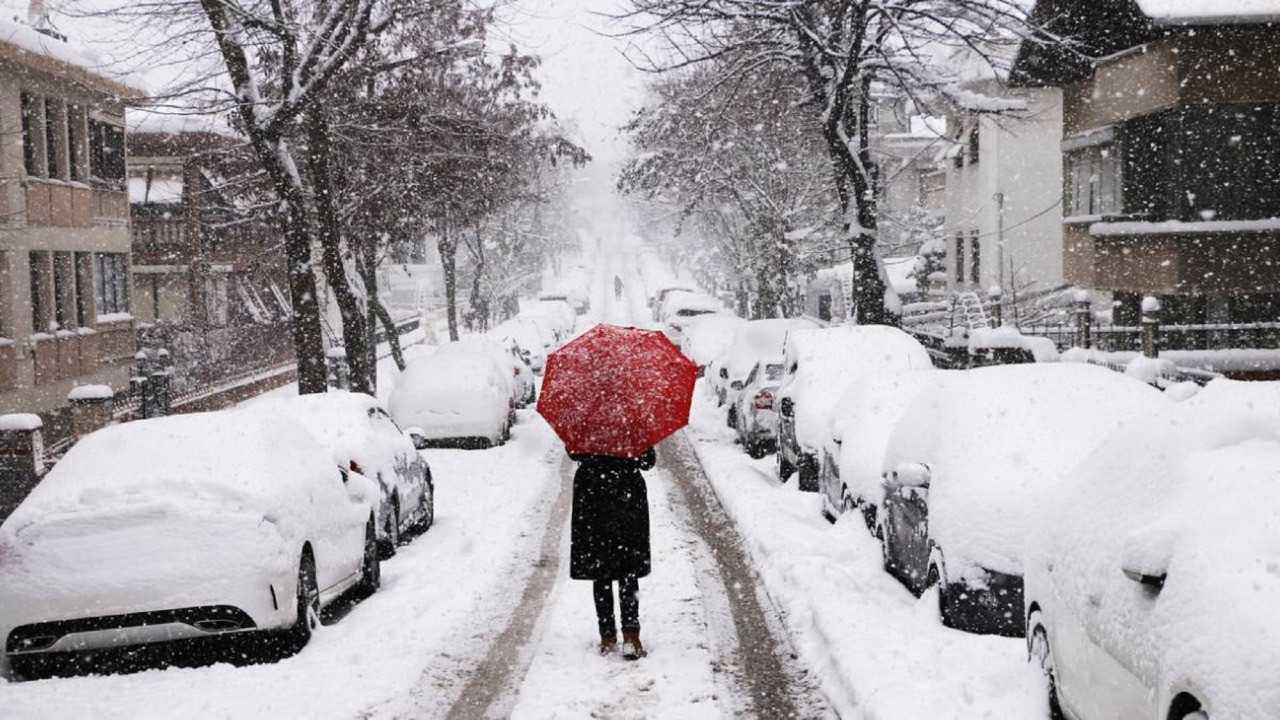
342,422
707,336
828,359
761,338
1193,492
996,438
257,460
685,300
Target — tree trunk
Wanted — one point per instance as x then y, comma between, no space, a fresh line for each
354,335
393,337
870,294
449,263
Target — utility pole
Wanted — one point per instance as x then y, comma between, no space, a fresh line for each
999,198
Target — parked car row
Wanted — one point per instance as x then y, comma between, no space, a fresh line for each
238,525
1129,538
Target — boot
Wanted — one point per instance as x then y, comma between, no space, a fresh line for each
608,644
632,649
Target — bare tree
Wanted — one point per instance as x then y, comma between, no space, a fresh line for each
844,51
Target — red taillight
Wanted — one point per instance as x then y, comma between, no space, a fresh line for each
355,467
764,400
515,372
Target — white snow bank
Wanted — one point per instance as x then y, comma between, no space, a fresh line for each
20,422
91,392
996,438
1206,12
1007,337
1191,493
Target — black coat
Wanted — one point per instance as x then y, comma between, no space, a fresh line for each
609,536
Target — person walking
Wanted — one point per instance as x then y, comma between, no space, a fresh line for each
609,541
617,287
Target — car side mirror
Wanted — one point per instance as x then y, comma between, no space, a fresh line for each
1142,577
418,437
1146,554
908,475
787,407
737,385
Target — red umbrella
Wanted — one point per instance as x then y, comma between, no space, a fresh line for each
617,391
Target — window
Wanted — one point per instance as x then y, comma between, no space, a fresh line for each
39,307
1230,159
959,257
215,300
1093,181
75,141
30,156
63,291
975,147
111,283
824,306
52,136
106,151
975,258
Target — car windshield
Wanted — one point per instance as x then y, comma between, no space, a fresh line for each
539,277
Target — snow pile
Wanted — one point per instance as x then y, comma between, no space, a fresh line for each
822,362
706,337
863,420
20,422
1149,370
996,438
1193,493
91,392
1207,12
1007,337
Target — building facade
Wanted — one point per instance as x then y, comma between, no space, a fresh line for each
1171,153
65,293
209,276
1003,194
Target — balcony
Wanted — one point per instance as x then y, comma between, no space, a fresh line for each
54,203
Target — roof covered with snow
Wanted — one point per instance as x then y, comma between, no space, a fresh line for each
22,44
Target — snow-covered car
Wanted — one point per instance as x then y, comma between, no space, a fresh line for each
861,423
546,328
1151,580
660,296
528,338
681,308
506,357
561,313
706,337
753,414
189,527
452,400
970,462
820,364
755,340
363,438
576,294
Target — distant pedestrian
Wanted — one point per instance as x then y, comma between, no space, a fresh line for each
617,287
609,541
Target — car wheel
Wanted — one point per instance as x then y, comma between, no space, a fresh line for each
371,562
808,471
847,504
785,468
391,531
756,449
1041,653
427,508
945,612
308,604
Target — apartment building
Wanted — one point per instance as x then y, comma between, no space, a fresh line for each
65,312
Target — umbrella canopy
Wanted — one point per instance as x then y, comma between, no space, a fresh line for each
617,391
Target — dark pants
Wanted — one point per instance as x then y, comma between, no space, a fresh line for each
628,598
